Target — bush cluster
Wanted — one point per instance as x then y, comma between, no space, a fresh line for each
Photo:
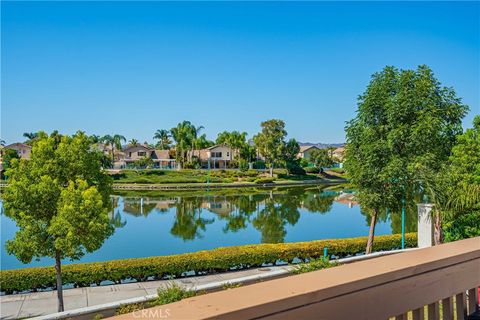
201,262
312,170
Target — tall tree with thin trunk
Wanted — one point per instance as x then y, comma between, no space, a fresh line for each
59,200
405,121
270,142
182,135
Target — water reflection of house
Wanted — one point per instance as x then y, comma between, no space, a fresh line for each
346,198
144,206
222,207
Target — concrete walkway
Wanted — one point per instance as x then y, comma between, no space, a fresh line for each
43,303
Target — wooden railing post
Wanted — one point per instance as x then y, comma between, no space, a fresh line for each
472,300
434,311
461,309
447,308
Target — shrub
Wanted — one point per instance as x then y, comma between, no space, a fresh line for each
312,170
243,165
172,293
201,262
259,164
264,180
313,265
295,169
304,163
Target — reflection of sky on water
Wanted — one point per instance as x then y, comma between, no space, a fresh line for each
151,226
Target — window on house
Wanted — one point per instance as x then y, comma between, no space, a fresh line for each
228,154
141,153
130,154
216,154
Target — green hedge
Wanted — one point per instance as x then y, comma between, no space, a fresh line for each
208,261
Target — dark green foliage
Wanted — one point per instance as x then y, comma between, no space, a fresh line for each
295,169
8,156
314,170
216,260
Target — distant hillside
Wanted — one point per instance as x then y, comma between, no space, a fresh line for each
322,145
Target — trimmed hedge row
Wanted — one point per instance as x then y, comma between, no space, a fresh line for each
208,261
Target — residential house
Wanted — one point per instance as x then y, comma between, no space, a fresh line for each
306,151
23,150
131,154
338,156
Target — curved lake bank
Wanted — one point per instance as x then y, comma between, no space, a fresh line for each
151,223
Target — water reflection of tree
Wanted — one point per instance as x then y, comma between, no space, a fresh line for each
273,218
117,222
411,212
115,217
188,221
318,202
244,207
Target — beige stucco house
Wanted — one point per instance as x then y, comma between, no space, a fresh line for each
305,152
130,154
23,150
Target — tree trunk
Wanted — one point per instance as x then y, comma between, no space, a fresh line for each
437,232
271,170
58,269
371,233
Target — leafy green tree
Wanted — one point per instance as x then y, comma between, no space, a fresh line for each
163,137
8,156
289,156
455,190
321,158
59,200
270,142
144,162
405,121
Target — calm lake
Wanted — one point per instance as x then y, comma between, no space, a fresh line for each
152,223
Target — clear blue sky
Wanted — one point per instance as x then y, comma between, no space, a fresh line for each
132,68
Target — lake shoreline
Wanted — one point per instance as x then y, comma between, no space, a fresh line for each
207,186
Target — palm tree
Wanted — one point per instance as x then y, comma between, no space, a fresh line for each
133,142
115,142
180,135
30,136
163,137
95,138
234,139
2,143
195,131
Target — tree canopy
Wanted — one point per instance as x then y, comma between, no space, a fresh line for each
405,121
59,200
